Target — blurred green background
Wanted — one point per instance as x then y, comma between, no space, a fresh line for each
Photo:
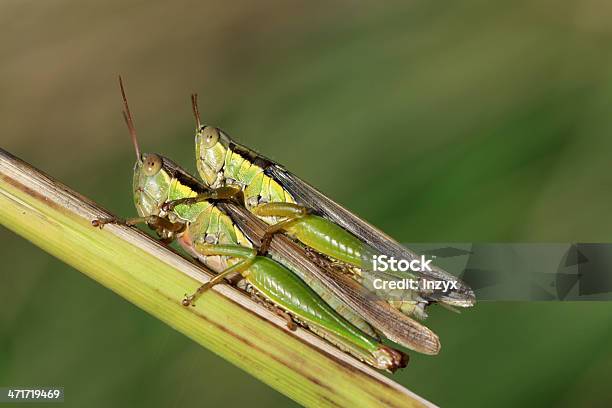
484,121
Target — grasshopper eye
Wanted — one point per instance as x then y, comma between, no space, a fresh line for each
209,136
152,163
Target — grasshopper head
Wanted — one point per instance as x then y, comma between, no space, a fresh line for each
151,184
211,148
151,178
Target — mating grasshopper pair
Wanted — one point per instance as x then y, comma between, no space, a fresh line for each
289,245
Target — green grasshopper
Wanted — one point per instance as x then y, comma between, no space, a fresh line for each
206,231
291,205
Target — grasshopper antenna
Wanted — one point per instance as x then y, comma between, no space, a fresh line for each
196,111
127,115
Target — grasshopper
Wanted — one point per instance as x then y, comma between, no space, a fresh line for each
206,231
290,205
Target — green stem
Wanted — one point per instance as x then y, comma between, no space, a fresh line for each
141,270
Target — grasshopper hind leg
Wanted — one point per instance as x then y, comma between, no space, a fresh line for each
289,211
249,255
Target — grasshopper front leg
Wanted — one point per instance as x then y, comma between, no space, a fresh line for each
164,228
221,193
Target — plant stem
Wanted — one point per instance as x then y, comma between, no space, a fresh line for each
154,278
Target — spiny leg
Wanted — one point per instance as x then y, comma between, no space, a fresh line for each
235,251
291,325
152,220
101,222
221,193
291,212
162,226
